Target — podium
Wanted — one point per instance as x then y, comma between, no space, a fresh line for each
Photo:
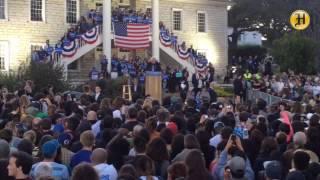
153,85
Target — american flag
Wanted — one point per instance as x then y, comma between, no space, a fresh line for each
131,35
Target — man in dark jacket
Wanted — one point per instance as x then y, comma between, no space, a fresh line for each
239,90
153,65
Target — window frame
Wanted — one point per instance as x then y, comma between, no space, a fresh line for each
36,44
66,12
7,56
148,7
203,52
5,11
205,21
43,12
181,19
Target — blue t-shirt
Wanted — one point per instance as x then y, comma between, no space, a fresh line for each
141,79
140,19
165,77
50,49
79,157
124,68
59,171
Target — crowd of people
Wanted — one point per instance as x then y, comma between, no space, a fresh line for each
257,74
131,16
44,135
173,79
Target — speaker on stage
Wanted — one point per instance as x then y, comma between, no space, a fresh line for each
153,83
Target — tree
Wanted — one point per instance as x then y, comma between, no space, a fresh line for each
269,17
295,52
44,74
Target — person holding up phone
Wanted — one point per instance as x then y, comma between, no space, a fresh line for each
238,166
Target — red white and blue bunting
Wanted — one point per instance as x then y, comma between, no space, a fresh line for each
201,64
182,53
91,36
69,49
165,40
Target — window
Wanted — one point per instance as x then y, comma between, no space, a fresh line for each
202,52
34,48
3,9
201,22
177,20
72,11
148,9
4,53
37,10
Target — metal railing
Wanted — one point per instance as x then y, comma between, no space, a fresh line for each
253,95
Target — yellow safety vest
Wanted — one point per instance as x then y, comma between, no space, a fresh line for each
247,76
258,76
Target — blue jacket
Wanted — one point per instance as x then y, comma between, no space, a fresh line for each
249,174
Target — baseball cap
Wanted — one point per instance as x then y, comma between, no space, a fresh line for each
237,167
273,169
58,128
217,106
65,139
218,125
50,148
173,127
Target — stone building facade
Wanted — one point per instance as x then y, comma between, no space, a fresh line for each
19,33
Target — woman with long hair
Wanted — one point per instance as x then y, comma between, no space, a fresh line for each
145,167
196,166
151,126
177,145
208,151
157,151
24,102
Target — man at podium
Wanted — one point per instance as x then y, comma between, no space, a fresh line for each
153,83
153,65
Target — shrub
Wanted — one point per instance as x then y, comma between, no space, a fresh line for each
113,87
223,91
44,74
295,52
10,80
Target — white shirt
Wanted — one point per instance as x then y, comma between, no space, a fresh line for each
316,90
96,128
116,114
215,140
145,178
96,97
106,171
